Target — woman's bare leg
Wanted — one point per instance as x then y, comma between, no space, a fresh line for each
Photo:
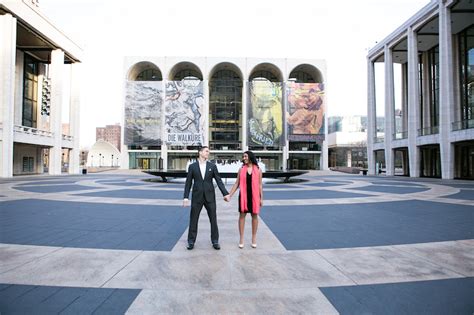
254,228
241,227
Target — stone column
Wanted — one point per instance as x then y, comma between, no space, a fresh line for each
57,76
74,118
124,162
164,135
371,119
245,106
7,91
206,113
404,117
286,142
413,104
389,112
446,91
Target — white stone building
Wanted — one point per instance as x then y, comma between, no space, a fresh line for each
347,141
38,80
224,96
427,66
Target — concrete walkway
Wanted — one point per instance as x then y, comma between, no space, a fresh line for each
112,243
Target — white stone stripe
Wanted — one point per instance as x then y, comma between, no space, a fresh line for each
259,269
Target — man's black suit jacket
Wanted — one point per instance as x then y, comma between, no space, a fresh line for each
203,188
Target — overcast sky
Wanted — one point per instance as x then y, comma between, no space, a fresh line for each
338,31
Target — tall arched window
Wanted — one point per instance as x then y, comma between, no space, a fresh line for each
185,70
305,73
225,108
144,71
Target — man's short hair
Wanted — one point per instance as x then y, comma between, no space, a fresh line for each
202,148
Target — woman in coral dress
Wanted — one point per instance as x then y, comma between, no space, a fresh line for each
249,180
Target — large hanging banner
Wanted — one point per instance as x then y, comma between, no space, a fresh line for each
265,114
143,106
184,112
306,110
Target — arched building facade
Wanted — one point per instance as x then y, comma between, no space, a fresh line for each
274,107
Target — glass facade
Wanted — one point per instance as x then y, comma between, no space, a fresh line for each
304,161
430,161
149,75
30,92
433,63
225,111
464,160
466,54
302,77
144,160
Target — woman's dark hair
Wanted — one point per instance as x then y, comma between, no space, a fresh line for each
252,158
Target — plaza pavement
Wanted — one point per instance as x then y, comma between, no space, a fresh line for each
112,243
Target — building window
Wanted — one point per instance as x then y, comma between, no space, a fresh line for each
30,92
420,87
302,77
433,62
187,74
466,53
264,74
225,110
149,75
28,164
304,146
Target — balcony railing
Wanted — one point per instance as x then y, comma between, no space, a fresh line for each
463,124
379,139
32,131
68,138
400,135
428,131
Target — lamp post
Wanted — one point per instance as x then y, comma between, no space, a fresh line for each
112,161
100,159
92,161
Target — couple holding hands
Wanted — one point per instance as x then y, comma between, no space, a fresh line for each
200,176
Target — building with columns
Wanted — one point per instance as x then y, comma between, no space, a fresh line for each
426,67
274,107
39,79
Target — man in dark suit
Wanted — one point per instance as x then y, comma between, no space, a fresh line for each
200,175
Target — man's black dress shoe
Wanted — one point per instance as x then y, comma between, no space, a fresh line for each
190,246
216,246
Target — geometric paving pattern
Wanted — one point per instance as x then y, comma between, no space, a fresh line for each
452,296
359,225
114,243
92,225
27,299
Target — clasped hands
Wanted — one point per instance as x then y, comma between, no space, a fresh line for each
227,198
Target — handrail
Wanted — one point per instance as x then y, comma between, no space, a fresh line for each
379,139
462,124
428,131
400,135
67,137
33,131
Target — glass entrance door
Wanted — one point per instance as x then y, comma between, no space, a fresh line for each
144,163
